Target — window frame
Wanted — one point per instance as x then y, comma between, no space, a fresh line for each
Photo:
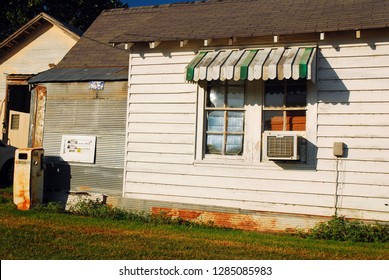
284,109
226,110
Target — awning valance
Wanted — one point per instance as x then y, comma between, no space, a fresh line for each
253,64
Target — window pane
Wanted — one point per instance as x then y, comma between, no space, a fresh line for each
273,120
234,144
296,120
215,121
235,97
274,94
216,96
296,95
235,121
214,144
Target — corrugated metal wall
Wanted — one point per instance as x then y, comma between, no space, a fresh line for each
74,109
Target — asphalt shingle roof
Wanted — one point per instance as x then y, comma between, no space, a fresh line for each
218,19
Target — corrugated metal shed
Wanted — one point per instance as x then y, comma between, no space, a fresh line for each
73,109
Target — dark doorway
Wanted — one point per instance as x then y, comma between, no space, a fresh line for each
19,98
18,102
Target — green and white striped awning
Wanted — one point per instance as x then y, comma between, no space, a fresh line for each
253,64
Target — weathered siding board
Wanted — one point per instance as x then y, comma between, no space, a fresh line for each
355,73
354,119
354,143
365,214
161,128
166,69
162,138
166,158
354,165
370,132
177,109
377,155
238,193
346,96
161,118
174,98
248,205
352,107
240,171
216,181
161,148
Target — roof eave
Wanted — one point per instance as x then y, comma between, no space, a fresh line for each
75,35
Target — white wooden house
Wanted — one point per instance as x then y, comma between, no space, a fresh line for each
256,114
36,46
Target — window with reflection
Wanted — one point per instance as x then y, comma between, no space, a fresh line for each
285,105
225,117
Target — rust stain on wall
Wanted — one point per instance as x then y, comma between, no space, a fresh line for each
40,107
228,220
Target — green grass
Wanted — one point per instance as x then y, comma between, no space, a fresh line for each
49,235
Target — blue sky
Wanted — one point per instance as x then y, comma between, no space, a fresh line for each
132,3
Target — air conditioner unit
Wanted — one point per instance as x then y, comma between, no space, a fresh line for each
281,145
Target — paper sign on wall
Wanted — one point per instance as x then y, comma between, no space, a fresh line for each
96,85
78,148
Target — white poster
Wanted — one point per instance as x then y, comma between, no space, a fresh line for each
78,148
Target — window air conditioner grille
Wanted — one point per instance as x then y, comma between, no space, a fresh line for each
280,147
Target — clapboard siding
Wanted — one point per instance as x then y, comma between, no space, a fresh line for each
161,118
376,155
365,131
353,94
162,138
238,171
352,107
354,165
161,114
355,143
249,205
354,119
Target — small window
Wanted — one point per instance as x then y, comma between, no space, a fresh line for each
225,118
285,105
15,120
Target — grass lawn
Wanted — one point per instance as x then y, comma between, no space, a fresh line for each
37,235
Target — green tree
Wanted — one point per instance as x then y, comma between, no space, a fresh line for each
78,13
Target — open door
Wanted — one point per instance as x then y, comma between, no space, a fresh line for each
18,127
17,113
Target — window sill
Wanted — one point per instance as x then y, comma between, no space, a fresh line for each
240,162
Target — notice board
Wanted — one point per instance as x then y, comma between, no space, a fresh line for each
78,148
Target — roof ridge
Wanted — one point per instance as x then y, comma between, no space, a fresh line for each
153,8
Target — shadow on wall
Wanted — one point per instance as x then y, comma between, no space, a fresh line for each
328,98
57,179
57,185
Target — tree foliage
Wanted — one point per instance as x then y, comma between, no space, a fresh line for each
78,13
